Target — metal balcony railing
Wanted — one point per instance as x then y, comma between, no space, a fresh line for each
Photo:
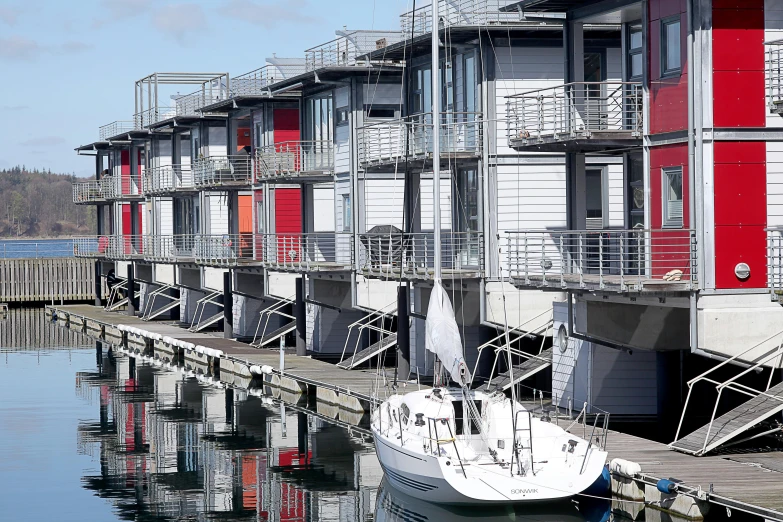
223,171
152,116
456,13
116,247
400,254
775,76
115,128
166,179
294,252
775,261
343,50
294,159
93,191
576,110
385,142
621,260
171,248
257,82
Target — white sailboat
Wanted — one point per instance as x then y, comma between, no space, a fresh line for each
461,446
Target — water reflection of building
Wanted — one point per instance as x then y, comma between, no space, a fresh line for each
171,446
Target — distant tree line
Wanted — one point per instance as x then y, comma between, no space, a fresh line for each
39,203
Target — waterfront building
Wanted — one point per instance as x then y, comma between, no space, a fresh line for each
609,173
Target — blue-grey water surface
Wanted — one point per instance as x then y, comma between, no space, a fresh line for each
90,434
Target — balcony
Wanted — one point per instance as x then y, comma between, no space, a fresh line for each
223,172
173,248
93,191
775,76
411,256
577,117
111,247
313,252
638,260
388,143
344,50
115,128
295,161
167,179
461,13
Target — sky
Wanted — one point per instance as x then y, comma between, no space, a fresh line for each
69,66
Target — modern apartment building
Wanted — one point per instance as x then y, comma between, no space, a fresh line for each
609,181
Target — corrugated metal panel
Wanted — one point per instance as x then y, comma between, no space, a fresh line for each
624,384
323,209
288,211
383,201
616,195
425,198
218,213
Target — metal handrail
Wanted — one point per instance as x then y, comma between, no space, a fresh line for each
115,128
731,384
164,179
576,109
625,258
221,171
344,50
412,137
775,261
461,13
414,253
170,248
293,159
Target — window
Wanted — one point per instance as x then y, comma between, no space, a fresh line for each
670,46
672,197
342,115
635,66
380,111
347,213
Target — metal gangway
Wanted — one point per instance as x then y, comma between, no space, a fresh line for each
116,299
530,365
388,338
149,312
762,405
199,323
278,333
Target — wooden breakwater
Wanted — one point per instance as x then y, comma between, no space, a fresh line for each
64,279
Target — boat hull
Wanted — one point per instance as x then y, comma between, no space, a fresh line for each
439,480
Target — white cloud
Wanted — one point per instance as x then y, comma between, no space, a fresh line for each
177,20
9,15
268,14
43,140
119,10
19,48
13,108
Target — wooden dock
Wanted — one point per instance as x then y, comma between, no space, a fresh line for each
747,483
64,279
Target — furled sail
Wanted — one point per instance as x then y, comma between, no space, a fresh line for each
443,337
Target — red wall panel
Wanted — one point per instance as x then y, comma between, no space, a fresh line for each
286,125
288,211
667,156
126,219
740,212
125,170
669,95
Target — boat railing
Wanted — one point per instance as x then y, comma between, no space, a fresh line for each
432,422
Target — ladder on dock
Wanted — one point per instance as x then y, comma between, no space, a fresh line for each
388,339
762,405
524,370
199,323
275,309
149,312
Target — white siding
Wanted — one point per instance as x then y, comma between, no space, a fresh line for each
166,217
323,209
614,191
218,213
425,199
624,384
383,200
774,183
521,69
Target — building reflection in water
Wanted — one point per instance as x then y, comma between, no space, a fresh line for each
173,447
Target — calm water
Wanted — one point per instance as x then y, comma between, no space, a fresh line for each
87,433
32,248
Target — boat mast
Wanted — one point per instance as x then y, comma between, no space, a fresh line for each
436,137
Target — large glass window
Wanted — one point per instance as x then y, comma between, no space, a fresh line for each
260,218
635,65
671,61
672,197
636,196
594,194
318,118
347,213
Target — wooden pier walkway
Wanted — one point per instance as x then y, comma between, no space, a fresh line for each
750,483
